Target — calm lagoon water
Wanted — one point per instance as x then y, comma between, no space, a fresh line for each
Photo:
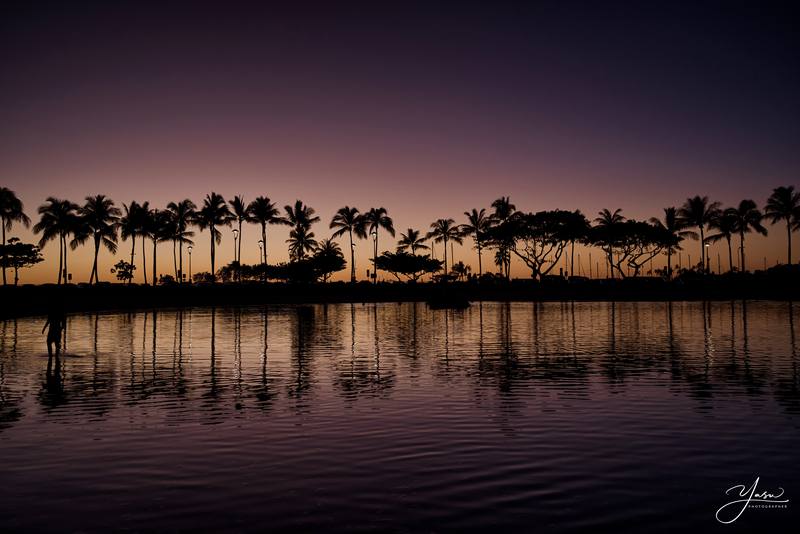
548,417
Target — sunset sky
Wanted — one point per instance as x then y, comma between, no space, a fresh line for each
428,109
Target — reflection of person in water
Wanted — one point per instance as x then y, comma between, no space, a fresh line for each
57,322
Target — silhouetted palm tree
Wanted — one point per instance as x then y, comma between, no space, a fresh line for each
349,220
699,211
133,224
57,220
182,217
375,219
240,215
724,222
784,205
674,228
101,218
412,241
212,215
606,219
576,228
478,224
748,218
503,210
159,229
262,211
301,241
445,230
11,211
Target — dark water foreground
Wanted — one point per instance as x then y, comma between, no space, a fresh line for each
547,417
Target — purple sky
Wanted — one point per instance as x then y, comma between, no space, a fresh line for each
428,109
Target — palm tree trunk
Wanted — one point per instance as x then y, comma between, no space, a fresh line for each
445,258
239,252
96,252
180,263
5,254
133,253
789,236
60,259
213,276
144,261
174,260
669,264
155,275
264,245
730,254
741,250
480,266
702,251
375,259
66,268
352,260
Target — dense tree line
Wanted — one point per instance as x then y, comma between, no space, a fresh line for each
539,239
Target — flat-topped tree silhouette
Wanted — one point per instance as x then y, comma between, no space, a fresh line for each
349,220
263,211
133,224
375,219
182,216
503,210
673,227
100,218
211,216
445,230
478,223
784,205
413,241
57,219
607,219
748,219
699,212
724,222
11,211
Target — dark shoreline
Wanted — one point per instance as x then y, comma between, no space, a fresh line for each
39,299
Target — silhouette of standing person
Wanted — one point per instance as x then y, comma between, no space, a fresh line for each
57,322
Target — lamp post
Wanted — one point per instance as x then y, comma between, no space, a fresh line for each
235,238
190,263
708,261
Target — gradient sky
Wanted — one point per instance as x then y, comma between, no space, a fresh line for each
428,109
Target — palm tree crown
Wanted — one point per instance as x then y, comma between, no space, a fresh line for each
411,240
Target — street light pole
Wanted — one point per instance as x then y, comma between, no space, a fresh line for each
190,264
